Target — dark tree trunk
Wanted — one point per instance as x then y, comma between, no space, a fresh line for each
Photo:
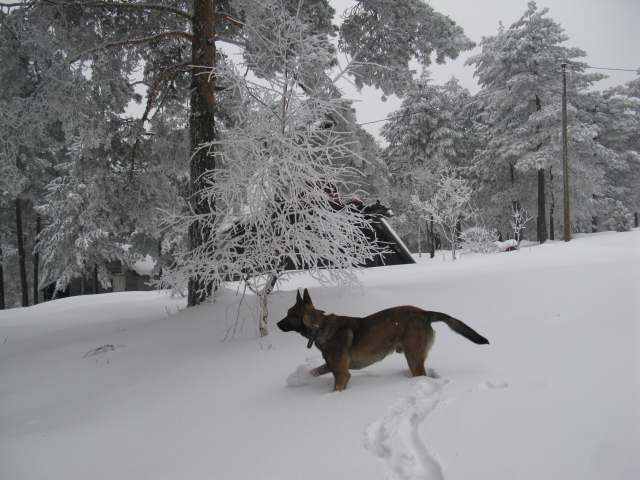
542,220
431,238
2,301
202,129
95,278
635,220
432,251
22,262
83,279
552,205
36,260
565,160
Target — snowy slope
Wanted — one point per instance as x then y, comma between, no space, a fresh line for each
555,396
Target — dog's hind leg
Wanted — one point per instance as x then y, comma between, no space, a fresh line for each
416,345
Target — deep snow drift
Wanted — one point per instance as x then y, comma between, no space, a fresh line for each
132,385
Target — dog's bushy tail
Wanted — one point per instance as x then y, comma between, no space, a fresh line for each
459,327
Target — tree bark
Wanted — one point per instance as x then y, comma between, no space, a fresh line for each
95,278
22,262
36,260
542,220
202,130
565,159
431,239
263,298
2,301
83,279
552,205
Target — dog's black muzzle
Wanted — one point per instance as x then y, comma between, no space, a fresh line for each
285,325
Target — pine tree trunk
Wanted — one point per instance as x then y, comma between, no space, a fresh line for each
36,261
22,262
542,220
2,301
432,250
552,205
95,278
202,130
83,279
430,239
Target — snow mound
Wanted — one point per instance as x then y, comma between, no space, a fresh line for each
302,376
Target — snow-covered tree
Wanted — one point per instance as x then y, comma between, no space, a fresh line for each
617,113
428,134
383,37
449,206
274,198
519,119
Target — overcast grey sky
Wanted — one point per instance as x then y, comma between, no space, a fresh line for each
608,30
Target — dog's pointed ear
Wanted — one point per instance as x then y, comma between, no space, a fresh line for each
298,298
307,297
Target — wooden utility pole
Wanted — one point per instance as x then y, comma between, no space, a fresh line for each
565,163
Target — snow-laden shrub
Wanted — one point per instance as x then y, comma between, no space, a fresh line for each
615,216
479,240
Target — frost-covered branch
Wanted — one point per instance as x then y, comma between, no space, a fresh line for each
448,206
137,6
133,41
145,116
519,218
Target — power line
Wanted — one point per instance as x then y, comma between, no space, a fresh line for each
466,100
615,69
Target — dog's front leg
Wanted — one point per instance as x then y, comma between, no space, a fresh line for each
340,368
321,370
341,380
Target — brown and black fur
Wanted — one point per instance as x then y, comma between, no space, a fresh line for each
352,343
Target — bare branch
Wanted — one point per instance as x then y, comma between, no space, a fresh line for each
229,18
137,6
231,41
14,5
151,96
134,41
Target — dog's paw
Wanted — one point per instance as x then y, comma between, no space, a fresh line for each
302,375
431,373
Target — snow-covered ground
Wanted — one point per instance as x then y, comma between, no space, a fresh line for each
134,386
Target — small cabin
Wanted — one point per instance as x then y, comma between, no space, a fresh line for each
123,279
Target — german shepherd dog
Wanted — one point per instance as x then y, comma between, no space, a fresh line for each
354,343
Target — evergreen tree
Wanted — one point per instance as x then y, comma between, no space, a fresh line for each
427,135
519,120
617,113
